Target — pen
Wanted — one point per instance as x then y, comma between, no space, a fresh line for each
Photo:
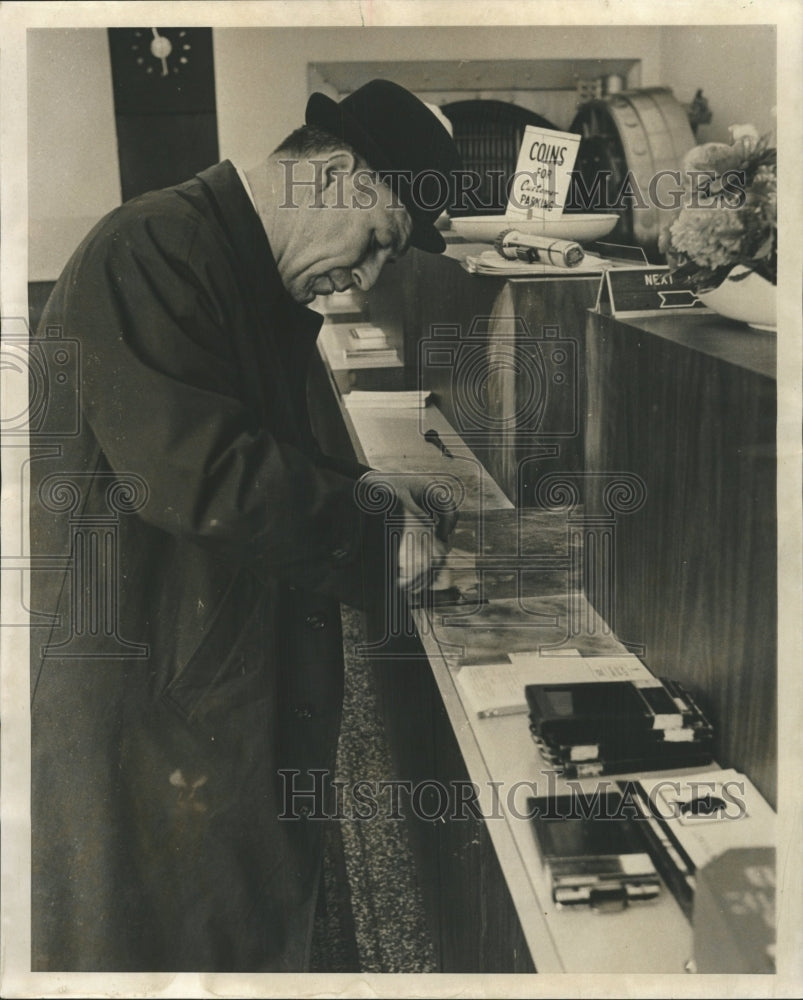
433,437
666,844
493,713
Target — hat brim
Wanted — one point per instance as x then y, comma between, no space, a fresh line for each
327,114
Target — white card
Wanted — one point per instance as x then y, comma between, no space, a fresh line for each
543,171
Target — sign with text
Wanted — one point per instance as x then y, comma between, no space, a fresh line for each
647,291
543,170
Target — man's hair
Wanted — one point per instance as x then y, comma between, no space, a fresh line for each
310,140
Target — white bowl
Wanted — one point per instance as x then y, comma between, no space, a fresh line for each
751,300
585,228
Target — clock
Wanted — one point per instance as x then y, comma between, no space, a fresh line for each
162,70
163,83
161,51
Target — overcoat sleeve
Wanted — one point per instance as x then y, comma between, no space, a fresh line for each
162,321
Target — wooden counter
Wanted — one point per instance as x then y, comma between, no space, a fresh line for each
681,415
688,405
484,885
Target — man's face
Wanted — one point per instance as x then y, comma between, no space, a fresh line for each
335,243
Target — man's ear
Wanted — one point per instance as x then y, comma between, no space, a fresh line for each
339,161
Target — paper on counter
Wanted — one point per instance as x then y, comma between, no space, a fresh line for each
484,687
746,821
488,686
588,668
413,399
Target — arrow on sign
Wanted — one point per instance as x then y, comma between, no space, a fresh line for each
681,299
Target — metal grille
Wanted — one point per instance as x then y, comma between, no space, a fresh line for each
488,135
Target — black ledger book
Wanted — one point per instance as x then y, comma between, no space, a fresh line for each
595,851
598,712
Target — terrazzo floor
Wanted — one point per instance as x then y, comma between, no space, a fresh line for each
370,916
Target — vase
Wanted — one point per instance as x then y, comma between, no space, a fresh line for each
751,300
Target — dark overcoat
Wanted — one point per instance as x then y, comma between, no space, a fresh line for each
189,545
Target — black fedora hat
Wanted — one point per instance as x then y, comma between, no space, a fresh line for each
403,141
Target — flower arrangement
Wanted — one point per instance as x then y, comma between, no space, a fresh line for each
730,213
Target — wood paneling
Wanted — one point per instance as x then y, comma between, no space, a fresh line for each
696,565
515,384
545,321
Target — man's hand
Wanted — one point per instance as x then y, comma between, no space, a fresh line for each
425,537
420,553
428,513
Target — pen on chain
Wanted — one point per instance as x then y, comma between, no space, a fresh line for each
494,713
433,437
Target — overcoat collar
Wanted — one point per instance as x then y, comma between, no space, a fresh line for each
290,329
239,217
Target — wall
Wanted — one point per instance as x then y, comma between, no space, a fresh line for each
261,77
73,178
735,66
262,74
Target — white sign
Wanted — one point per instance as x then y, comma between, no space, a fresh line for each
544,166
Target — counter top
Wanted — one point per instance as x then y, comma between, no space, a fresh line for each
521,607
530,598
713,335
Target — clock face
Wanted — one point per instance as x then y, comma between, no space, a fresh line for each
159,70
161,51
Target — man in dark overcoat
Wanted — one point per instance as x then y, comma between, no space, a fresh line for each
191,543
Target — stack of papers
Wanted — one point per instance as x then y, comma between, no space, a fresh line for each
413,399
367,335
368,342
347,353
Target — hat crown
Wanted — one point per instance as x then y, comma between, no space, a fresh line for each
403,141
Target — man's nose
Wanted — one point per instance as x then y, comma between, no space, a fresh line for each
365,274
